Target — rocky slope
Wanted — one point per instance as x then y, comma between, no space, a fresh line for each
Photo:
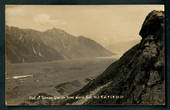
137,77
27,45
24,46
73,47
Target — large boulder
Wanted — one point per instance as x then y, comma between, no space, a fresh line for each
153,24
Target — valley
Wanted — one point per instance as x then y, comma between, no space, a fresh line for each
55,78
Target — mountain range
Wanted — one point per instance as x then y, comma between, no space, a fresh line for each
28,45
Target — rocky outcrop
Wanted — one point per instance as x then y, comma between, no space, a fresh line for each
153,24
138,76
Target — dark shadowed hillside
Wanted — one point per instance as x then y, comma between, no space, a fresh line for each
137,76
27,45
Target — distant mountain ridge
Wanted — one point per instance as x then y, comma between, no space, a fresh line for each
28,45
20,47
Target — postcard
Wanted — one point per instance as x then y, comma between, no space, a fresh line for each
84,55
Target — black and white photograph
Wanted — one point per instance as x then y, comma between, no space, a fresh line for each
84,55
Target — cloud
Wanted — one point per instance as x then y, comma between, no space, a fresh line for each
45,19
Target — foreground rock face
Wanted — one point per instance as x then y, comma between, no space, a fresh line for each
137,76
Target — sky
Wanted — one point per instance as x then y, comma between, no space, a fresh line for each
106,24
